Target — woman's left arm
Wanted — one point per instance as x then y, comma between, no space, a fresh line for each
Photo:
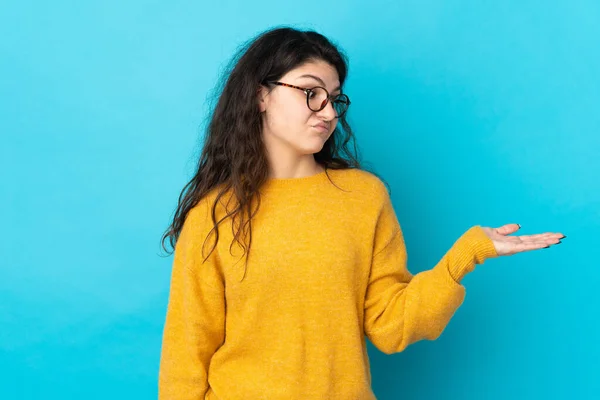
400,308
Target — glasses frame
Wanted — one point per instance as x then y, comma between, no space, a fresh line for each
308,91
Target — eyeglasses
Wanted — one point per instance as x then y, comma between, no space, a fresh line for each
318,97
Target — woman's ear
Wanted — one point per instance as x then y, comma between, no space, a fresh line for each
262,98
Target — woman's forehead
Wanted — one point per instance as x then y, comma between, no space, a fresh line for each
320,73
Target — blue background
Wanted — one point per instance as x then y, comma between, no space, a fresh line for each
474,112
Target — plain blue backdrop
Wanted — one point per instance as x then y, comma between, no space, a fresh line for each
474,112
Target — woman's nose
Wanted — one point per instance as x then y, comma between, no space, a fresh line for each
328,111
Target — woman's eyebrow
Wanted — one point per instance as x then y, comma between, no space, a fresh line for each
317,79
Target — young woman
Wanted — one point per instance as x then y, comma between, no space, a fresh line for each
287,252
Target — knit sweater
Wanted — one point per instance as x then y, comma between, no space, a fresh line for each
326,269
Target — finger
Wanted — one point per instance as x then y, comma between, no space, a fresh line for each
508,229
541,236
529,246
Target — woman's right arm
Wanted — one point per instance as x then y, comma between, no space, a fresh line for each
195,321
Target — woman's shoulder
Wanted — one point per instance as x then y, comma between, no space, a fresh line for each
358,176
360,181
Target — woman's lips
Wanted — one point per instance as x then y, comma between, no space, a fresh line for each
321,128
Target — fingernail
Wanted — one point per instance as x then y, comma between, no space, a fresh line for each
563,237
519,226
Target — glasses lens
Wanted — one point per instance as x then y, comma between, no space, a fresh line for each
317,98
340,105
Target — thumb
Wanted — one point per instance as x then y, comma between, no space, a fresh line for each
508,229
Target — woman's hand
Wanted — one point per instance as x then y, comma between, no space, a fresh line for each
509,245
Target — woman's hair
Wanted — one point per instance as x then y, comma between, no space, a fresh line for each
233,156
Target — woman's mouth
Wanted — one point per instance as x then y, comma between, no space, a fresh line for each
321,128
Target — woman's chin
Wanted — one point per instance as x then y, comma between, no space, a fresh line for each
312,148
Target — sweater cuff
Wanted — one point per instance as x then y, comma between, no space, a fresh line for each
473,247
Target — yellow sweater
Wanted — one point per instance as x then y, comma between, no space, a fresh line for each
327,266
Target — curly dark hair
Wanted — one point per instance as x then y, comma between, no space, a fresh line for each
233,156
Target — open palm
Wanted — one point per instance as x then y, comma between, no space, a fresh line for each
508,245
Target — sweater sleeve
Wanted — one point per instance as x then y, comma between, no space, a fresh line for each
195,320
400,308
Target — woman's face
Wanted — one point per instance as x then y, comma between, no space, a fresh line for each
290,128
